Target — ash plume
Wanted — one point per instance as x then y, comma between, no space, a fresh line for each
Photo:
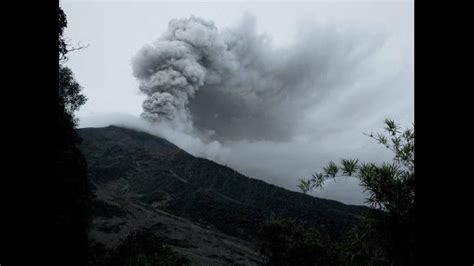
234,85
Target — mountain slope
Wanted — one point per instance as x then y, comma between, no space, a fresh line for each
136,172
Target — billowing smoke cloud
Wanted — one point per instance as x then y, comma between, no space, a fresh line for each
234,85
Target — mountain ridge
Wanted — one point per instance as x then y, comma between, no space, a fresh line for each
135,173
202,158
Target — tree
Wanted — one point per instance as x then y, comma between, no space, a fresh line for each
144,248
391,189
64,48
70,97
62,24
286,242
72,190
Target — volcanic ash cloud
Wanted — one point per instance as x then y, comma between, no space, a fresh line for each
233,85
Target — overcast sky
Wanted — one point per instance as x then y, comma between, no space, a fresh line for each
340,69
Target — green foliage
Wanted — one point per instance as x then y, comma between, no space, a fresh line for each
391,188
143,248
72,190
69,91
388,184
331,170
305,185
63,47
367,244
62,24
287,242
70,98
349,166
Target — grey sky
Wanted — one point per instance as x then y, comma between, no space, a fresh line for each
381,85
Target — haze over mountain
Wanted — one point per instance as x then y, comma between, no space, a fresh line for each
206,211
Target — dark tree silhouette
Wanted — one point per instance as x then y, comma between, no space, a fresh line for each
62,24
144,248
72,190
70,96
391,189
286,242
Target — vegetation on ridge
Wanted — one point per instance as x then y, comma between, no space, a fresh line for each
385,236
